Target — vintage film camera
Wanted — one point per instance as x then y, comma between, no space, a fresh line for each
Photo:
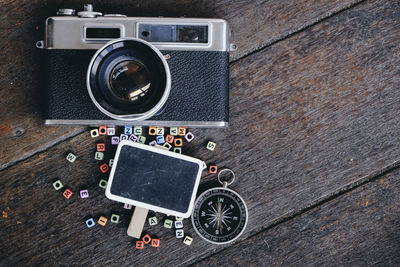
119,70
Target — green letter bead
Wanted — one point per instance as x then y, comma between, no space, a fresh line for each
153,220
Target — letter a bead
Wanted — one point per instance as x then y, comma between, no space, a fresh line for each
153,220
139,245
155,243
90,223
57,185
173,131
67,194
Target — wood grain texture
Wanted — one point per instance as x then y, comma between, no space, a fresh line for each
359,228
254,25
311,115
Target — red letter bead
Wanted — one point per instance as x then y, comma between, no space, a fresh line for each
104,168
102,130
169,139
101,147
139,245
146,239
102,221
155,243
67,194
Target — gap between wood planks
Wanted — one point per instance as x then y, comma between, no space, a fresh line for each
272,42
322,200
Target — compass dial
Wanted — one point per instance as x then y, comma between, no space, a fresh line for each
220,215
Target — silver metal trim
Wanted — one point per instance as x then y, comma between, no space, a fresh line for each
132,117
66,32
196,124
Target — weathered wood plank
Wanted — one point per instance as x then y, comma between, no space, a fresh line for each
310,115
359,228
254,25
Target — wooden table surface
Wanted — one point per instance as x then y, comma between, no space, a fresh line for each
313,138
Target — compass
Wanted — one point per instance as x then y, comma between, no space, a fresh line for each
220,214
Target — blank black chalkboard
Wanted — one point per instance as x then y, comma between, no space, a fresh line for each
155,179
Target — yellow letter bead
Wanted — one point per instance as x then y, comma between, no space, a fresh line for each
178,218
99,156
181,131
153,220
103,130
152,130
102,221
179,233
211,146
57,185
137,130
94,133
187,240
111,131
103,183
178,150
173,131
128,130
160,131
178,224
167,145
71,157
141,139
178,142
114,218
168,223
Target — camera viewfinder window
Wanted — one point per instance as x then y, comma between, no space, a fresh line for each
103,33
174,33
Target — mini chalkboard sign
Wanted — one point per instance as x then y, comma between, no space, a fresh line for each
152,178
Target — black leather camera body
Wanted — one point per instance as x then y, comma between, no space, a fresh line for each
118,70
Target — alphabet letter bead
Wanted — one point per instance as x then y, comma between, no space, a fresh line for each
188,240
152,130
133,138
57,185
102,221
128,130
211,145
111,162
167,145
169,139
127,206
94,133
99,156
160,131
178,218
153,220
179,233
173,131
155,243
153,143
139,245
115,140
181,131
114,218
67,194
160,139
178,224
111,131
103,183
84,193
146,239
137,130
141,139
123,137
102,130
178,150
213,169
189,137
178,142
104,168
101,147
71,157
168,223
90,223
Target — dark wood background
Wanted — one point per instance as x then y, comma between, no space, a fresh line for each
313,138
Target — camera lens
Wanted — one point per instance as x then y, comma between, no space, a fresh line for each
128,79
